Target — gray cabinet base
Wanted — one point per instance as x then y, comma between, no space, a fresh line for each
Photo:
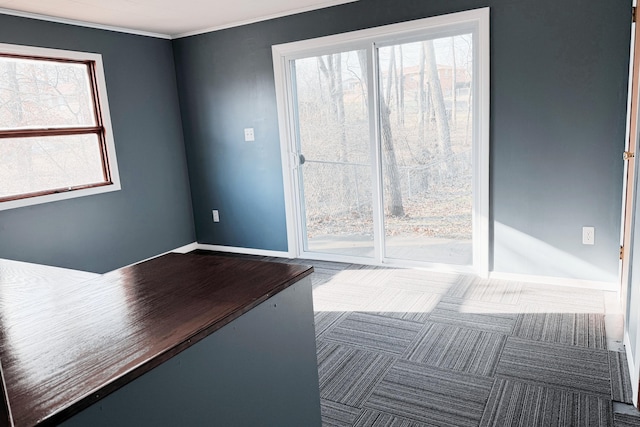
259,370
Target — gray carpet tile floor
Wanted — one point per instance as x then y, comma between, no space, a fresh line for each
403,347
411,348
488,316
431,396
457,349
347,374
624,415
516,403
375,332
620,380
578,329
556,365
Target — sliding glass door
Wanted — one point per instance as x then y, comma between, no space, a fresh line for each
426,123
333,144
385,143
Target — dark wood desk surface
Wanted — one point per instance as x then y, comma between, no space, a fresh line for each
68,339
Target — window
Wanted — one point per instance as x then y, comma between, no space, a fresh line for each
55,131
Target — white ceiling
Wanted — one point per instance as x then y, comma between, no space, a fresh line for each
162,18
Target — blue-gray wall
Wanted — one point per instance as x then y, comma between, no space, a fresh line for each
152,213
558,97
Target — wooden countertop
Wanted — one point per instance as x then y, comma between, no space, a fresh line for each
69,338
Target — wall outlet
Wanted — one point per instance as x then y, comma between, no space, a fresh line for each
249,135
216,215
588,235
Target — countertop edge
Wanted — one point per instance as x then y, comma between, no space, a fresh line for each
100,392
6,419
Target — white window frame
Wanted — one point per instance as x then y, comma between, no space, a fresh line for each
283,54
103,106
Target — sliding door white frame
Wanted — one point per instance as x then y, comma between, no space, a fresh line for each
284,54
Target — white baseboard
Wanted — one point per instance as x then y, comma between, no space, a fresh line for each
557,281
545,280
245,251
186,248
182,250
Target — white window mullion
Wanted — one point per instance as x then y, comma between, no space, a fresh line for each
481,147
295,158
376,151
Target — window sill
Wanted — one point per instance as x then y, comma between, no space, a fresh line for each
31,201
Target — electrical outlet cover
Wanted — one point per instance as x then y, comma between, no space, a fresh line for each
588,235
